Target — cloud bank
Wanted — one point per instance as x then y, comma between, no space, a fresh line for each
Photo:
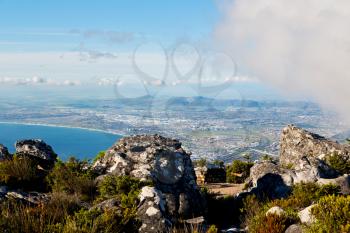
300,46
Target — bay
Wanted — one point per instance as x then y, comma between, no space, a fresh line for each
66,142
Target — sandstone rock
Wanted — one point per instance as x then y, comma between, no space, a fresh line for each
38,150
30,198
276,210
301,160
175,194
107,204
4,153
270,180
297,143
152,212
305,215
295,228
343,182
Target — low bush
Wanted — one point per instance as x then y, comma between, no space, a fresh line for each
258,222
332,214
73,177
22,172
200,163
100,155
16,217
305,194
98,221
124,188
238,171
338,163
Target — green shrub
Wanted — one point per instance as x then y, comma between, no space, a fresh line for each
98,221
21,172
100,155
212,229
46,217
257,221
200,163
73,177
339,163
266,157
124,188
238,171
332,214
305,194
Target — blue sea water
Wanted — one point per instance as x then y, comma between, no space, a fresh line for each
82,143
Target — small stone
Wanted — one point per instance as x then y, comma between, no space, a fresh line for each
276,210
305,215
152,211
295,228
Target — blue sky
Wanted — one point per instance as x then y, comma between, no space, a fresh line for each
46,25
80,42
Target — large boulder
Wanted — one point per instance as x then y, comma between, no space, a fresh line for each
175,194
302,159
4,152
37,150
297,143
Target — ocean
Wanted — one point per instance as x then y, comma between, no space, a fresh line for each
66,142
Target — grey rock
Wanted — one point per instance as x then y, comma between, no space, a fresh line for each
4,153
302,159
30,198
343,182
175,195
270,180
37,150
107,204
305,215
297,143
276,210
295,228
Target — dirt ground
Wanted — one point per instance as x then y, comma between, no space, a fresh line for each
224,188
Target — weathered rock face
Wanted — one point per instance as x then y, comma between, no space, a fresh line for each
30,198
297,143
4,153
301,160
343,182
175,194
38,150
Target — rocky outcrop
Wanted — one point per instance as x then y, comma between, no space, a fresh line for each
175,194
302,159
37,150
343,182
4,152
30,198
297,143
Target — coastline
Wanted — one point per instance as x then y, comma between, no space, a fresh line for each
59,126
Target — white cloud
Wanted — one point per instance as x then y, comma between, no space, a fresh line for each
299,46
110,36
36,80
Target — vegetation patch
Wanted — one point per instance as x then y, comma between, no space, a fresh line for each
238,171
